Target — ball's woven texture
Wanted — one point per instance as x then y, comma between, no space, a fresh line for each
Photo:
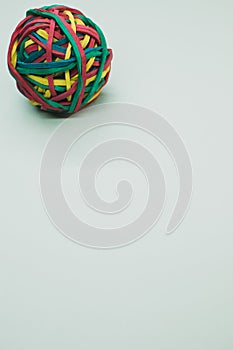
59,59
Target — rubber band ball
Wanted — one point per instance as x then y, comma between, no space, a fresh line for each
59,59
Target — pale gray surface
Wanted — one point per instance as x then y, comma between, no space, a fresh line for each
163,292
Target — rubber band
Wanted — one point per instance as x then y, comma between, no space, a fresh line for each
59,59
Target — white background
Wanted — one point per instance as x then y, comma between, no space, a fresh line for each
162,292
